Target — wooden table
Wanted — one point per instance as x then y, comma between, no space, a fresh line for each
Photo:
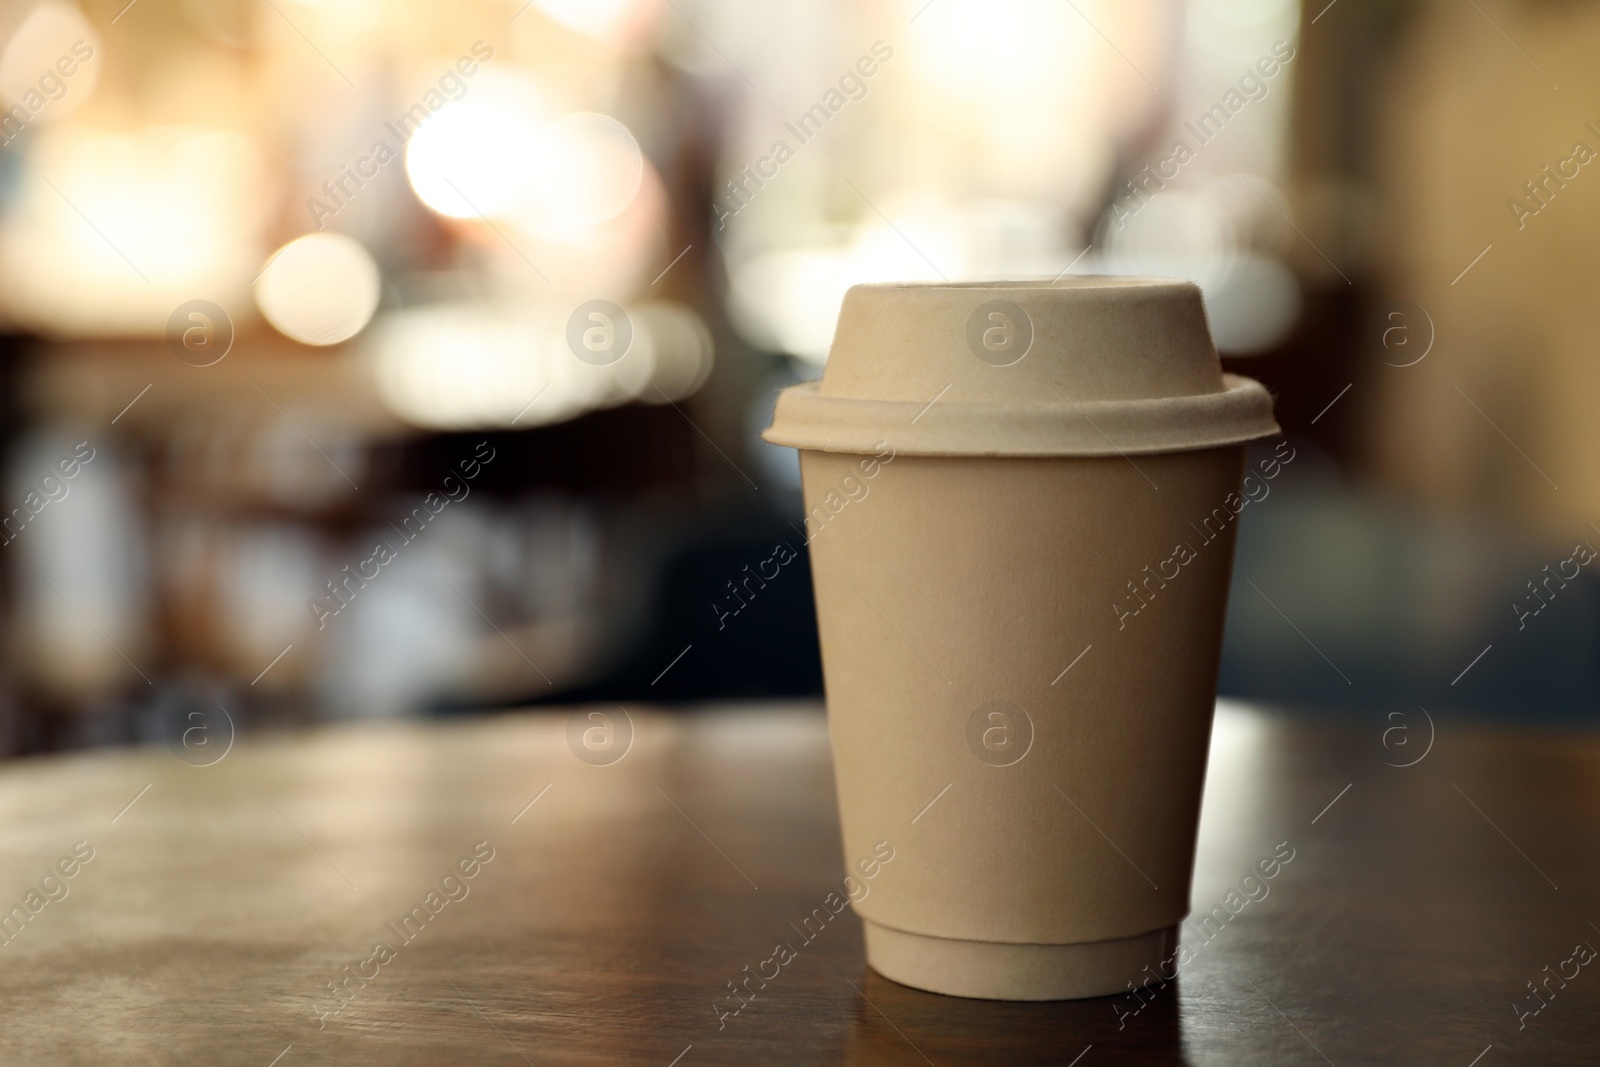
221,901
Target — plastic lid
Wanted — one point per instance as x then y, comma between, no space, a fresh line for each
1088,366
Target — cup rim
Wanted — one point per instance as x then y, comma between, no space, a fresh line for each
1130,282
805,418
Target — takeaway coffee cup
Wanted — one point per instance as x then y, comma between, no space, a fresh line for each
1021,502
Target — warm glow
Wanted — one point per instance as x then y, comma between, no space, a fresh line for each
479,156
465,365
319,289
49,66
492,155
107,233
1000,49
476,365
340,19
617,255
591,172
601,19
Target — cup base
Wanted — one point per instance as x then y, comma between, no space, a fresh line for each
988,970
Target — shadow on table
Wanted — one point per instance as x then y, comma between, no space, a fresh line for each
889,1017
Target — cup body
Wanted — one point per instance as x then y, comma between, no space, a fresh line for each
1020,656
1021,500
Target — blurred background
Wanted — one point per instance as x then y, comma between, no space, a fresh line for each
366,359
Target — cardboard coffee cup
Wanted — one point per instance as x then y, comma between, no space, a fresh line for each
1021,502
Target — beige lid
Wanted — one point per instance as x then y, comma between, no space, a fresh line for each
1085,366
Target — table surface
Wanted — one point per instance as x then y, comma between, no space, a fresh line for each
222,901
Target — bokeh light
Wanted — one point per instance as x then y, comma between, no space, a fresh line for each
494,156
681,349
480,156
462,365
591,170
319,289
1253,305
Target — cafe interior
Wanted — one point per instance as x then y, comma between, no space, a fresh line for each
273,272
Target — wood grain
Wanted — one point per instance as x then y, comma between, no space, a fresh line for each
616,908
